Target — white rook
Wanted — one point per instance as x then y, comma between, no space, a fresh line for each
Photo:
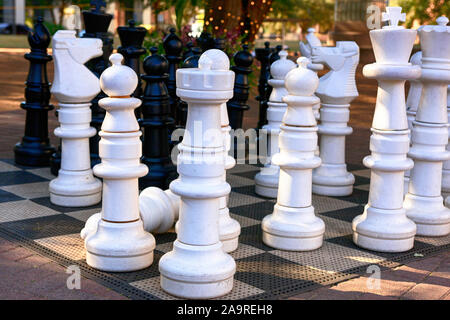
446,167
293,224
74,86
197,267
429,137
336,91
384,226
120,243
266,181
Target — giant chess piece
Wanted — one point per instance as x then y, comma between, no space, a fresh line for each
384,226
293,224
266,181
131,39
173,48
197,267
238,104
155,122
120,243
446,167
96,23
412,104
306,50
429,137
262,55
206,41
336,91
35,148
190,62
74,86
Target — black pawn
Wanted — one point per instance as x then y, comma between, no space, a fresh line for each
35,148
131,39
262,55
155,122
96,23
206,41
238,104
173,48
190,62
220,44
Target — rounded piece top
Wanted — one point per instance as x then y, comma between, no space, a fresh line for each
281,67
214,59
118,80
301,81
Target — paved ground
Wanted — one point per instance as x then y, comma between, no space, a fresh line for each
27,275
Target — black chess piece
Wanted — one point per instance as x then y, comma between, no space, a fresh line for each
238,104
131,39
96,23
172,47
155,122
190,62
35,148
262,55
188,52
206,41
219,43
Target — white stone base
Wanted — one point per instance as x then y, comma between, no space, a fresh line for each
429,214
120,247
293,229
197,272
384,230
229,231
75,189
332,180
266,182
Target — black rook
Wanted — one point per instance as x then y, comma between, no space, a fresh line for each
155,122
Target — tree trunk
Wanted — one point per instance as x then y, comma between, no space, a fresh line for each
243,16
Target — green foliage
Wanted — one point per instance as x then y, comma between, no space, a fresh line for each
306,12
424,11
52,27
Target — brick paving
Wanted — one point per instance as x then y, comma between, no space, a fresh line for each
27,275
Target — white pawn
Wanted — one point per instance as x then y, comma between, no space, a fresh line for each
266,181
446,167
74,86
293,224
120,243
412,103
336,91
429,137
197,267
384,226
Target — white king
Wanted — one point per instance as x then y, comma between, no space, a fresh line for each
384,226
429,138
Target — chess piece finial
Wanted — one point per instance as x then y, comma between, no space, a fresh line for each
301,81
97,6
393,15
118,80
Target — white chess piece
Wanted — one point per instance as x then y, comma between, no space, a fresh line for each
197,267
266,181
412,104
384,226
446,167
306,50
120,243
74,86
429,137
336,91
293,224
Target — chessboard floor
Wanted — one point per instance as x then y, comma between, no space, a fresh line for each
27,216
